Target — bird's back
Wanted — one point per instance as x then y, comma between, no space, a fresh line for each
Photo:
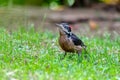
76,40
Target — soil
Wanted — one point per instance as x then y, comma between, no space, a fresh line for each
85,21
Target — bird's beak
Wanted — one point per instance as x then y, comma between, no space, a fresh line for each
59,25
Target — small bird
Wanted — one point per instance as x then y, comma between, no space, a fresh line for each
68,41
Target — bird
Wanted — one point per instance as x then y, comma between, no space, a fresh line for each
68,41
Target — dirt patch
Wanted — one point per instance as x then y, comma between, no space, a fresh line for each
43,18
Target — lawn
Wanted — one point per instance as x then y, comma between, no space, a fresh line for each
29,55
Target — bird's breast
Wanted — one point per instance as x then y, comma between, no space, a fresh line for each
66,44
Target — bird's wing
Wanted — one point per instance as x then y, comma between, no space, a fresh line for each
76,40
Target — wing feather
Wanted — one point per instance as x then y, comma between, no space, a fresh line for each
76,40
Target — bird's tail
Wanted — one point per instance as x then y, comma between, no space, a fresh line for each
87,56
84,46
85,50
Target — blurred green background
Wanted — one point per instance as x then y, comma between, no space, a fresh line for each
42,2
56,2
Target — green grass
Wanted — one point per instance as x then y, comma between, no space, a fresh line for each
26,54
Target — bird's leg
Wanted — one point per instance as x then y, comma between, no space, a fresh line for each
64,55
79,54
79,57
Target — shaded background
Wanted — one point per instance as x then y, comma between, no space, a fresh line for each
85,16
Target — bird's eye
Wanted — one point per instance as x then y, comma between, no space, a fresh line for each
68,28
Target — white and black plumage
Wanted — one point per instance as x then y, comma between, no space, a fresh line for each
68,41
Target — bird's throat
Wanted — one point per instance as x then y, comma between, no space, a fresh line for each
63,33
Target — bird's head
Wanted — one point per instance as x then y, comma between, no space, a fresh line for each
64,28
